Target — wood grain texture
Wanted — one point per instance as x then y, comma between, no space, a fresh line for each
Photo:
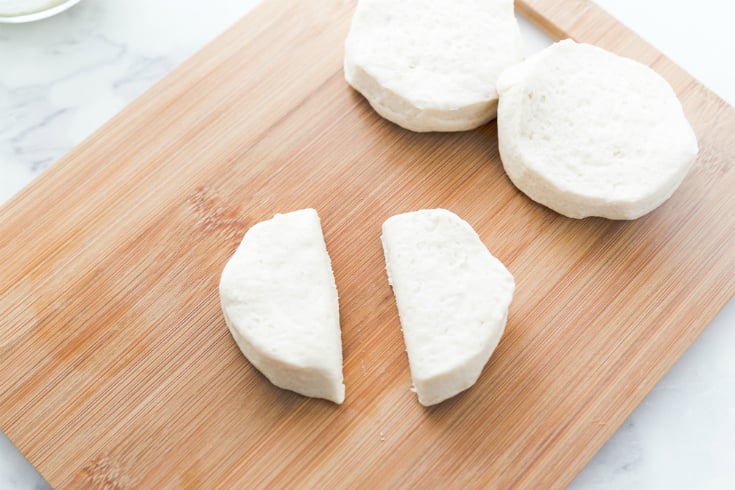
117,369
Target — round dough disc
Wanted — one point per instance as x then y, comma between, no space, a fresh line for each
431,65
589,133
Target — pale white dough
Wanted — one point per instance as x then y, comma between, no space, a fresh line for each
589,133
280,303
431,65
452,298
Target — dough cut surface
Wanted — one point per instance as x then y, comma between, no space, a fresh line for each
452,297
588,133
431,65
279,300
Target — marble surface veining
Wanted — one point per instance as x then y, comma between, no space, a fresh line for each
62,78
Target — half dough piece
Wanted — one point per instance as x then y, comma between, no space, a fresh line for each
431,65
280,303
452,298
589,133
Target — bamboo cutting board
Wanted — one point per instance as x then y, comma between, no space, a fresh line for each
117,369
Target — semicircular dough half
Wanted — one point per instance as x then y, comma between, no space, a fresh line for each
431,65
279,300
452,297
588,133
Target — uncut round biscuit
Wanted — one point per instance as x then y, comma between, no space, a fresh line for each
431,65
589,133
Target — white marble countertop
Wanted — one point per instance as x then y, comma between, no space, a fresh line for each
62,78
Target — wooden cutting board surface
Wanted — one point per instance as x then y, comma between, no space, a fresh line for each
117,369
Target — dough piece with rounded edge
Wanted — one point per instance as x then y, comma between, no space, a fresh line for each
431,65
589,133
452,298
280,303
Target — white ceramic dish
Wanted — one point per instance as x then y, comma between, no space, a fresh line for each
17,11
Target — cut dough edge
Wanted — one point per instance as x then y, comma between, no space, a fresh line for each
318,379
454,377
